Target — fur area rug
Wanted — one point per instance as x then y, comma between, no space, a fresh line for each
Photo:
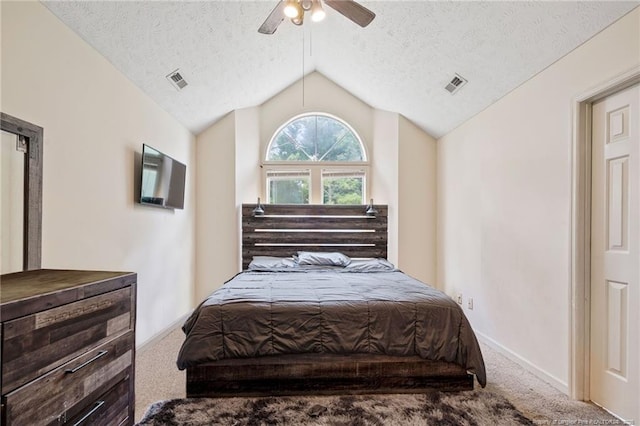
467,408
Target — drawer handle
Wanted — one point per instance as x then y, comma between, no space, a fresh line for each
84,364
95,408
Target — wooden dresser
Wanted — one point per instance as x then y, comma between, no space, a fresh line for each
67,347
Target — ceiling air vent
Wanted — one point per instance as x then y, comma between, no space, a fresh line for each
455,84
176,79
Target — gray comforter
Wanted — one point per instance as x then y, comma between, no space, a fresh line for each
329,311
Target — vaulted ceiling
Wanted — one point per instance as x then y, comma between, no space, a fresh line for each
401,62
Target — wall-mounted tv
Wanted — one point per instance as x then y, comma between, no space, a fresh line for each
162,181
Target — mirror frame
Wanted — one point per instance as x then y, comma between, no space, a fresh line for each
32,230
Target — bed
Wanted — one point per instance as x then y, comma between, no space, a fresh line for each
321,311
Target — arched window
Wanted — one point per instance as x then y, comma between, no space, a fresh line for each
316,158
316,137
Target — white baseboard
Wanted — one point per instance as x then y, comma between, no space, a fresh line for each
526,364
161,334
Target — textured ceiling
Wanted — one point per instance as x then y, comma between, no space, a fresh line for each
400,62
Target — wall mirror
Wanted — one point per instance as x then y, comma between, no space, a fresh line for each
21,188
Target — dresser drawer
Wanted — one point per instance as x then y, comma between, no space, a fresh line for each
70,390
37,343
109,409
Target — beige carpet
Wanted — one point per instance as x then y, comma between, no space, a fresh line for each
157,378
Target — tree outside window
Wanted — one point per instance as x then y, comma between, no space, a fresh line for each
333,154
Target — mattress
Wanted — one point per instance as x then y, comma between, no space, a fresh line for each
329,311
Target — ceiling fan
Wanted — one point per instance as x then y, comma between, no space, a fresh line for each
295,10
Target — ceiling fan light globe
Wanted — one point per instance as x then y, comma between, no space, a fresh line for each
318,16
290,12
292,9
317,12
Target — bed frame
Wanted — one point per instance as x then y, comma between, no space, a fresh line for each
283,230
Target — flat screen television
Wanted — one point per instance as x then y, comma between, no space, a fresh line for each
162,180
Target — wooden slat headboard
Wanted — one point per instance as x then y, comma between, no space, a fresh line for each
284,230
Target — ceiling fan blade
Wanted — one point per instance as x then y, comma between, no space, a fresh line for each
352,10
275,18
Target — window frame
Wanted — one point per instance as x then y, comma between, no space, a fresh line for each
315,167
301,172
354,172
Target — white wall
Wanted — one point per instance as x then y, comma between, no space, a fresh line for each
504,204
95,121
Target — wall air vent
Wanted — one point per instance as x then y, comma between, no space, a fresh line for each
455,84
175,78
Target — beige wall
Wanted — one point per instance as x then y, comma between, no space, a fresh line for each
417,191
384,172
95,121
504,204
404,176
247,161
232,150
217,218
247,156
320,95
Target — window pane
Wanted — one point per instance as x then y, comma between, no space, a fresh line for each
294,142
336,142
288,187
345,187
315,137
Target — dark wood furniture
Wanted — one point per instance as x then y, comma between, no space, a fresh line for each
282,231
324,374
67,347
286,229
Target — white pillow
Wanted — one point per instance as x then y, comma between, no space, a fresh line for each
322,258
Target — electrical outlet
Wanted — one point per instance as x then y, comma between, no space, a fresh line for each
459,298
470,303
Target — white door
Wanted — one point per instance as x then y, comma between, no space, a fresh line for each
615,255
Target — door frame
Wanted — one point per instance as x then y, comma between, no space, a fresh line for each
580,297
